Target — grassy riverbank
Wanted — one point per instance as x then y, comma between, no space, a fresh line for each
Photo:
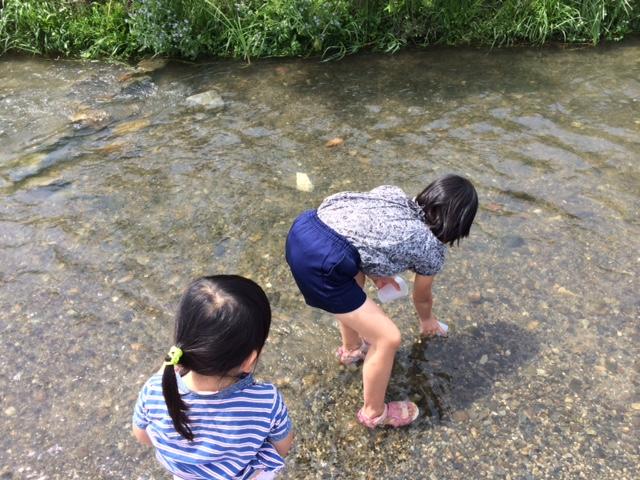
331,28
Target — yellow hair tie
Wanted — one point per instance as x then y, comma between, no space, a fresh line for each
175,353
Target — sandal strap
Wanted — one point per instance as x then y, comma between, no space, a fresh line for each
351,356
375,421
400,414
395,414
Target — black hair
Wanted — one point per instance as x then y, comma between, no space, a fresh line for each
450,204
221,320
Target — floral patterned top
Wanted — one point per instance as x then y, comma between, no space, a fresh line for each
387,228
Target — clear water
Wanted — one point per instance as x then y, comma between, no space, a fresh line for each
104,221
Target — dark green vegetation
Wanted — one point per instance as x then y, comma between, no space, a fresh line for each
331,28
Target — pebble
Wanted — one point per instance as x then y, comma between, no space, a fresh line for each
209,101
125,279
303,183
334,142
90,117
563,291
10,411
460,416
475,297
484,359
494,207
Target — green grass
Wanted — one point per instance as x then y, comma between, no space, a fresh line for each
331,28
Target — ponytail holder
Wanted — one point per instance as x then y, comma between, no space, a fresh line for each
174,355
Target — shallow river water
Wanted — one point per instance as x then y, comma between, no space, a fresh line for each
114,194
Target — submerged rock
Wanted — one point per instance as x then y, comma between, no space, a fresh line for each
144,67
149,65
460,416
138,87
303,183
131,126
88,117
475,297
334,142
209,100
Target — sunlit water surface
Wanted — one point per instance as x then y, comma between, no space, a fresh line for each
114,194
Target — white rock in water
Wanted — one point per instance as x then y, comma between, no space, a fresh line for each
303,183
209,100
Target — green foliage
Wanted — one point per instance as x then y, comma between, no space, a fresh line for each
331,28
88,29
182,28
538,21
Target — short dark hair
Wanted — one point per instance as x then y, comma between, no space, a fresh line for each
450,204
221,320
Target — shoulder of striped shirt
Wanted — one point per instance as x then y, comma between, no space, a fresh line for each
156,381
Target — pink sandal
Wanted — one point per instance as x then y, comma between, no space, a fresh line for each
351,357
395,414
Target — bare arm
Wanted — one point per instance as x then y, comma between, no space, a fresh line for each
423,301
141,436
283,446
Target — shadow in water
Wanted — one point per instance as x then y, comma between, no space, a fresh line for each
446,375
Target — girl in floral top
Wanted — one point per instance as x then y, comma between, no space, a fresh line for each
378,234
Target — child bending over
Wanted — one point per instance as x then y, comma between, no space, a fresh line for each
377,234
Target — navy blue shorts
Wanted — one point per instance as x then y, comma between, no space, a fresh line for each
324,265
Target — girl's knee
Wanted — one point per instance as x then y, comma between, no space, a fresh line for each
391,339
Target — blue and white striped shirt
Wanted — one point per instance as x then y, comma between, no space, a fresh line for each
232,429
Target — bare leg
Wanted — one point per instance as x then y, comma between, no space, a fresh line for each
350,338
370,322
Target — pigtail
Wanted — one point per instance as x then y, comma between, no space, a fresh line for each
175,405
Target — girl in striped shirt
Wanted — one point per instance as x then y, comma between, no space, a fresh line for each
203,412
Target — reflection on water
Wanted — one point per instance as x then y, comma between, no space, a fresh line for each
115,193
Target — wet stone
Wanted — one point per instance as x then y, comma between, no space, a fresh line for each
513,241
131,126
303,182
39,396
138,88
88,117
334,142
533,325
211,101
576,385
475,297
149,65
460,416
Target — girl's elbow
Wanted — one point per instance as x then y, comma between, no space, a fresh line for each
283,447
141,436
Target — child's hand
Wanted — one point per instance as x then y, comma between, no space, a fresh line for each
380,282
431,327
